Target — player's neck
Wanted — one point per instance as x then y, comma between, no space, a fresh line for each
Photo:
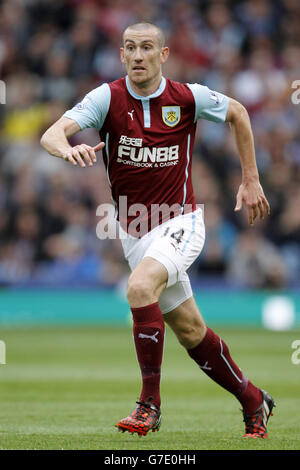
146,88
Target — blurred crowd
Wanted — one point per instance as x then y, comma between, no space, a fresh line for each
52,52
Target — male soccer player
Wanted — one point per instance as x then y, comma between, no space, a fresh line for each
147,126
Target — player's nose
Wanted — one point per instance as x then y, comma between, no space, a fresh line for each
138,57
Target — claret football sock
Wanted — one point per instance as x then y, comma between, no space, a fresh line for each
213,357
148,333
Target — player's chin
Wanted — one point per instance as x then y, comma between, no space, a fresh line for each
138,74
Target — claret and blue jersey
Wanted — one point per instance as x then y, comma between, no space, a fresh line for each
149,140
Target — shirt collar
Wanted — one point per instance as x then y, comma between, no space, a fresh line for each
158,92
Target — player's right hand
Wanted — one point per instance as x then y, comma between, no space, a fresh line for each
83,154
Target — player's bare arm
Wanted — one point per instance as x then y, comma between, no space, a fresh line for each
250,191
55,141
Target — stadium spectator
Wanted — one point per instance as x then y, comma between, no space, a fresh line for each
256,263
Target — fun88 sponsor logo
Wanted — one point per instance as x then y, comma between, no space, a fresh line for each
150,157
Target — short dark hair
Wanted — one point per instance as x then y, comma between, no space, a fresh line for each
145,25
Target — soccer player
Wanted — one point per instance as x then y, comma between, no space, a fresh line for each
147,127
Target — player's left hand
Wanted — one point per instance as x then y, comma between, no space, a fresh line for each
252,194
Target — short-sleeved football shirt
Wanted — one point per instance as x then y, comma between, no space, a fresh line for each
149,143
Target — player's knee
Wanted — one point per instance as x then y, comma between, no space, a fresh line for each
139,290
189,336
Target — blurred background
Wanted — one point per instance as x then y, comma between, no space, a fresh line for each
51,54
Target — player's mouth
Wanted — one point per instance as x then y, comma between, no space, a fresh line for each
138,68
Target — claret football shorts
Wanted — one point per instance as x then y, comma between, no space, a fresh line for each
176,244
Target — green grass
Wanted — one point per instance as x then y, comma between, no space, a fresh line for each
66,388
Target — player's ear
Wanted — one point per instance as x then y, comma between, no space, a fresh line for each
164,54
122,55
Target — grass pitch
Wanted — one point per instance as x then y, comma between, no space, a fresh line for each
65,388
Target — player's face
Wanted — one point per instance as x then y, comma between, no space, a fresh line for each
143,55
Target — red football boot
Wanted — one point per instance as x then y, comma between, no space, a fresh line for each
144,417
256,423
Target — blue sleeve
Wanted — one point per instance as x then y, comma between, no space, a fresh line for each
210,105
93,109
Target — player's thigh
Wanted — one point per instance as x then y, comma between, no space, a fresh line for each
176,294
178,243
187,323
149,277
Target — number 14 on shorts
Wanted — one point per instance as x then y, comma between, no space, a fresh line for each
176,235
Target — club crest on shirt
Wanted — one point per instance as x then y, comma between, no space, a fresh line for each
171,115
